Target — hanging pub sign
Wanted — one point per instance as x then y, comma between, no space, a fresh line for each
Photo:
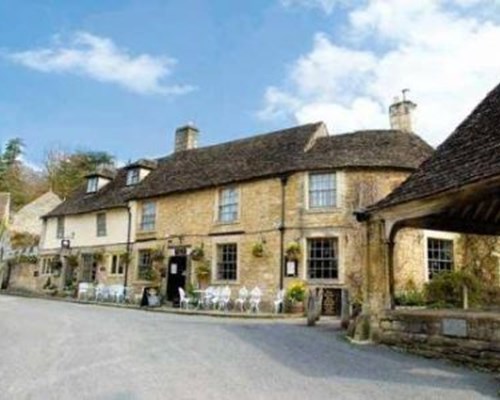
65,244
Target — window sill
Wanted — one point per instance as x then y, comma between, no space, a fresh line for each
325,210
228,223
226,283
325,282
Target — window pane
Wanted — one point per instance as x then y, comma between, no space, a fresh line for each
148,218
322,190
322,261
439,256
144,264
227,257
101,224
228,205
60,228
133,176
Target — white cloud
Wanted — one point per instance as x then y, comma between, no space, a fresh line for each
101,59
326,5
445,57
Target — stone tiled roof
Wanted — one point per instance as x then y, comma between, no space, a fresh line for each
470,154
291,150
112,195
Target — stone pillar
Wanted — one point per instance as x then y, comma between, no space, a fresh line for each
376,296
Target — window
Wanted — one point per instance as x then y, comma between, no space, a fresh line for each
228,205
148,216
133,176
46,266
117,265
144,264
227,256
439,256
60,228
101,224
322,260
92,184
322,190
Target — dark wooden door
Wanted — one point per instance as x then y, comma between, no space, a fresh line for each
176,277
332,301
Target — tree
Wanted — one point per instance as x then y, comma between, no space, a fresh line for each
66,171
11,179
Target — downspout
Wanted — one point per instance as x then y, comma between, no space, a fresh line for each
127,261
390,262
284,181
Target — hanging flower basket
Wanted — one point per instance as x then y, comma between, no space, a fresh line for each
197,254
293,251
258,249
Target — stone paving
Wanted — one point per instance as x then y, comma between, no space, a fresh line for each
59,350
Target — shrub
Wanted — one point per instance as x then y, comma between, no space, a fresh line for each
410,298
197,253
293,251
446,289
296,292
258,249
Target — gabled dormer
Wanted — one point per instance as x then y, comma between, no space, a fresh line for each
138,170
98,179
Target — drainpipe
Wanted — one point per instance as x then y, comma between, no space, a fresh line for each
390,270
284,181
127,261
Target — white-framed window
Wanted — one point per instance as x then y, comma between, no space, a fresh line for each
323,258
322,190
92,184
117,264
101,224
228,204
227,262
133,176
148,216
46,266
439,256
60,228
144,264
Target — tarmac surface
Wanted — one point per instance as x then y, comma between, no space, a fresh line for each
58,350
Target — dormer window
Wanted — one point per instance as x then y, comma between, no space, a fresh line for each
92,184
133,176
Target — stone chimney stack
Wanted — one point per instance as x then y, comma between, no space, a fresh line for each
186,137
400,113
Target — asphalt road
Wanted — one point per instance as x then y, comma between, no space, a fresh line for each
55,350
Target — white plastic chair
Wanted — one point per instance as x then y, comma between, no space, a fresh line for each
83,290
185,300
101,293
207,297
278,301
214,300
225,298
116,293
255,297
242,298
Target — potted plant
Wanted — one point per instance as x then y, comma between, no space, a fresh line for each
295,295
202,273
72,260
258,249
197,253
98,256
293,250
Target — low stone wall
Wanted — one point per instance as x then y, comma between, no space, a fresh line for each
464,336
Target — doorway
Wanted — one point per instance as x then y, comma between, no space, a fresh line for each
176,277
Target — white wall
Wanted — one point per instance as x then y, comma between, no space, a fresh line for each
82,230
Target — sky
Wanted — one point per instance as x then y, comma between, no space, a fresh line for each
122,75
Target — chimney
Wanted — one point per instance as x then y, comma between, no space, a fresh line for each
186,137
400,113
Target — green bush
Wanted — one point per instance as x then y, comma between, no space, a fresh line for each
410,298
446,289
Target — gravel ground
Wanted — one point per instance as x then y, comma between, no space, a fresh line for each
55,350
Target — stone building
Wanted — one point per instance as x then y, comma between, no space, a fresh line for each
242,204
453,200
